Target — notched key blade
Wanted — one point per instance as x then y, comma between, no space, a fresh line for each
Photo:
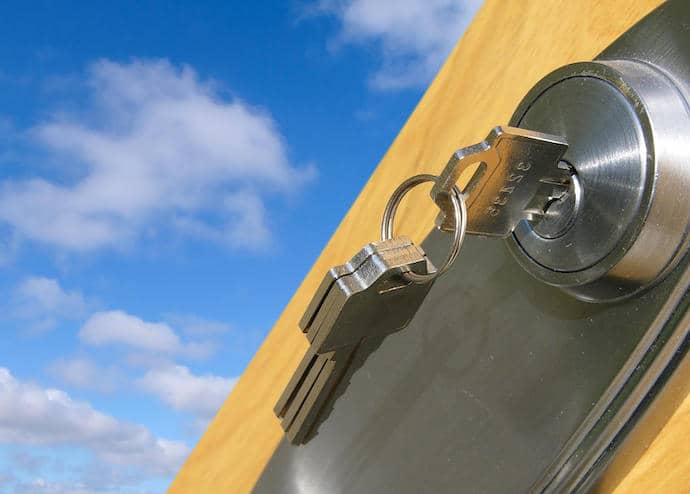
325,384
294,383
513,165
304,388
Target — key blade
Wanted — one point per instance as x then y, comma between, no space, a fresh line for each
508,185
335,365
306,384
295,383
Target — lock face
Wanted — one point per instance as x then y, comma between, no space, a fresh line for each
624,223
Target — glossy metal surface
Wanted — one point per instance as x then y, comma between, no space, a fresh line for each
629,132
609,155
480,393
514,174
376,294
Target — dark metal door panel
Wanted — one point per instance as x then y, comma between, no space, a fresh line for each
478,394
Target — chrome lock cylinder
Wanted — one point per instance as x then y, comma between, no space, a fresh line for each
623,224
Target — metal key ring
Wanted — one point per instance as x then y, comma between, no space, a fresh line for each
459,212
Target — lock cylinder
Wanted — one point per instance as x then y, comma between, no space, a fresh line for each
561,212
623,223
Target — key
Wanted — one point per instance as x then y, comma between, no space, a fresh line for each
337,272
296,381
345,311
517,178
320,381
376,293
518,174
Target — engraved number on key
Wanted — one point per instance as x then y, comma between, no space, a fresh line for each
518,176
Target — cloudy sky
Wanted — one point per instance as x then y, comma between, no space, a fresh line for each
168,175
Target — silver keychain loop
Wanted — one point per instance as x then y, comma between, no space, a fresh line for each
459,213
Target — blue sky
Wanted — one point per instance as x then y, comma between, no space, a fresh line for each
169,171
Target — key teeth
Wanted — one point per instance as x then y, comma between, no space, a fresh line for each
295,382
320,394
550,189
312,387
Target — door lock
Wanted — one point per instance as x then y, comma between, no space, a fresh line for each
623,224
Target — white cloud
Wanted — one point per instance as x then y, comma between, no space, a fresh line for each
9,243
155,147
414,36
105,328
85,475
83,373
44,486
184,391
48,295
30,414
195,325
43,301
116,327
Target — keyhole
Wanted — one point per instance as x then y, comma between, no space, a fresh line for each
560,213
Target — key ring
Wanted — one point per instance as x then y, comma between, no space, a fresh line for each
459,213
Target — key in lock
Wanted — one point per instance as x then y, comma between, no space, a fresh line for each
517,175
379,290
624,225
518,180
